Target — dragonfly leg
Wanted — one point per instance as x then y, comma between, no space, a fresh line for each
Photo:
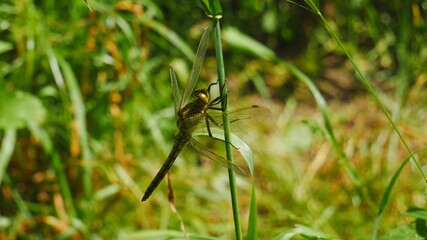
207,118
218,99
215,83
207,126
221,124
210,85
215,101
213,121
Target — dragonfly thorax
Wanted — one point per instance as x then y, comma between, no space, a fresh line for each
191,114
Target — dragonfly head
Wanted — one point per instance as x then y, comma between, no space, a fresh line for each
202,94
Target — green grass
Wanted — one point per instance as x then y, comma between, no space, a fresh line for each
87,119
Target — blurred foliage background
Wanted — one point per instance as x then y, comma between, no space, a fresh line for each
86,116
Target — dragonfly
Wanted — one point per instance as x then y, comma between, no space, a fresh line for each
201,114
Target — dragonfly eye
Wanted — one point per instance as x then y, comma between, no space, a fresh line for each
202,94
203,97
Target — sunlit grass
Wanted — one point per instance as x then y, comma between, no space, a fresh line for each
324,161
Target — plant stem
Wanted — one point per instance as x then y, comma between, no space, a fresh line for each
226,120
369,87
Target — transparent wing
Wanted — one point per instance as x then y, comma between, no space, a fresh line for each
175,88
215,157
197,66
241,119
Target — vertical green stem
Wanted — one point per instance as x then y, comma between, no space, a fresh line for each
402,53
229,150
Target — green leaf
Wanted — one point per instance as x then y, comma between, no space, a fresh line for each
18,108
6,150
239,40
417,212
247,154
212,8
301,230
420,227
172,37
412,211
87,4
405,232
106,192
162,234
252,227
5,46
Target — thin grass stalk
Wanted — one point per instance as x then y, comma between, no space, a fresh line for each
226,120
403,54
57,165
259,50
80,117
385,199
342,157
20,203
367,85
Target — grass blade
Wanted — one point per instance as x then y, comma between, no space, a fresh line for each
252,222
305,231
386,197
368,86
57,165
246,44
172,37
80,125
7,147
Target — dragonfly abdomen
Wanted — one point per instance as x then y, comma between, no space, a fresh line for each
180,140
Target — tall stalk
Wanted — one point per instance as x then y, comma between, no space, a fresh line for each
368,86
226,120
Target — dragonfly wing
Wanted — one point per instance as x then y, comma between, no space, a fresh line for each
175,88
241,119
215,157
197,66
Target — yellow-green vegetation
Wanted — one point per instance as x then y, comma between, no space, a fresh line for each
87,119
